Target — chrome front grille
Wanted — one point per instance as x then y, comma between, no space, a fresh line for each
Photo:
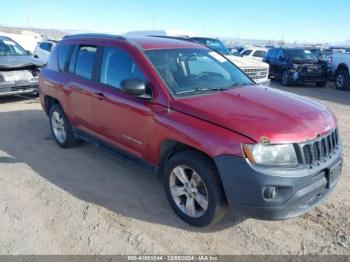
320,149
256,73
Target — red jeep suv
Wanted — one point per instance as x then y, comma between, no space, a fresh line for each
190,116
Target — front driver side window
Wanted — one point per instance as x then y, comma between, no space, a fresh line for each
116,66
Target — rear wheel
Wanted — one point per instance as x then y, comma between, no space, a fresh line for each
61,128
342,80
193,189
285,80
321,84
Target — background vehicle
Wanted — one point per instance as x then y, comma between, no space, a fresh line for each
18,69
189,115
43,50
296,65
340,64
254,52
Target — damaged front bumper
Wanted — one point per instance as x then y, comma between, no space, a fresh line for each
18,84
19,87
308,74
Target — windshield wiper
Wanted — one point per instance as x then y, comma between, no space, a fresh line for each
199,89
242,83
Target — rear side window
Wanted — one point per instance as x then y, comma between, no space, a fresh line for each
46,46
259,53
116,66
280,54
63,53
85,61
272,53
247,52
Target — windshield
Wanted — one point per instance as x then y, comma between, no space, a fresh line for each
214,44
300,54
10,48
188,71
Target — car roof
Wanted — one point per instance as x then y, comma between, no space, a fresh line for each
48,41
154,42
142,42
207,38
4,38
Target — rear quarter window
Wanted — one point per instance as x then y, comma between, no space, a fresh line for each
62,56
85,61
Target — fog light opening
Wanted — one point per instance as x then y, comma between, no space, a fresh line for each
270,192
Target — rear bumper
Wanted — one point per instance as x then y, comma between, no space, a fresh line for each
20,87
298,190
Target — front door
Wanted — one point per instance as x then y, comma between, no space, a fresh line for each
120,119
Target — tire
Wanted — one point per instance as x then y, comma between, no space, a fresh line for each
342,80
60,127
285,79
321,84
194,165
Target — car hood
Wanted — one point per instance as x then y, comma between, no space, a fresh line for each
244,62
257,112
10,62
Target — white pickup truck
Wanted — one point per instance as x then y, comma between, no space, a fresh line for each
340,65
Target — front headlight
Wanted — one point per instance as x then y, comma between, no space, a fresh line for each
271,155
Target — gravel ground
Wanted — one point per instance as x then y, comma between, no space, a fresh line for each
85,201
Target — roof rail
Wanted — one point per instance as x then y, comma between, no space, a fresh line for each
94,35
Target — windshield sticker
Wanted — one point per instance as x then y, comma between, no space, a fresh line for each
217,57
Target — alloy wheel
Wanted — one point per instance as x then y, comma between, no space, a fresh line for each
58,127
188,191
340,81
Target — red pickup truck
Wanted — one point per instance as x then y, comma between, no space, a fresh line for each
191,117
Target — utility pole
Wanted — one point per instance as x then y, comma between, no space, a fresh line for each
27,13
153,23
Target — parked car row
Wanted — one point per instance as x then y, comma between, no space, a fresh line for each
296,65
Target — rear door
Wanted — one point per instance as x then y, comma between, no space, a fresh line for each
80,88
120,119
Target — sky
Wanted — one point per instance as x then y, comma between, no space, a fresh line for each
289,20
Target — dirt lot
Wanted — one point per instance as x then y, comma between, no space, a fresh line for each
85,201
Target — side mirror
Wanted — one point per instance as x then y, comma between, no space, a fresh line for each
28,52
133,86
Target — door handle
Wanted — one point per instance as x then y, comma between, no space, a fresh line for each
100,95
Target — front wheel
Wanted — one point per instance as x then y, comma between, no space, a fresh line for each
285,81
342,80
61,128
193,189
